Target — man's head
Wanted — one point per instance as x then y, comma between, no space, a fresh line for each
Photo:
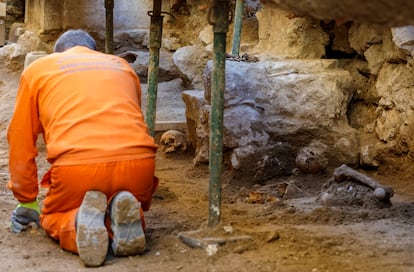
73,38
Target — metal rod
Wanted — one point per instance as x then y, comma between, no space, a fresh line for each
109,18
154,59
220,28
238,20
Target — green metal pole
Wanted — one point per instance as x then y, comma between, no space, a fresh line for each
109,18
238,19
154,60
220,28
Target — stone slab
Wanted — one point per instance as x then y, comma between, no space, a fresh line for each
2,10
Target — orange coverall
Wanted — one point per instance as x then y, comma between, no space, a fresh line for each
87,106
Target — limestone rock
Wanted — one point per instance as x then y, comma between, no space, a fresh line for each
194,101
375,57
32,56
259,163
132,39
166,69
395,121
16,29
362,36
403,37
15,53
298,37
390,50
190,61
368,156
273,108
206,36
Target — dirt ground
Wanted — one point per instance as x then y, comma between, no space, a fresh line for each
263,227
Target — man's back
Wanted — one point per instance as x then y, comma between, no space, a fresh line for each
89,106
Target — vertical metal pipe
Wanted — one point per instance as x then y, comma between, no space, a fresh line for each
109,18
220,28
238,19
154,59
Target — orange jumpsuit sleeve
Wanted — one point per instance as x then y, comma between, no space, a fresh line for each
22,135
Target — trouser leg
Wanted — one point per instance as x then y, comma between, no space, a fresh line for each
68,185
61,227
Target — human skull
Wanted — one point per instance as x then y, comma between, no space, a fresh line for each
172,141
311,159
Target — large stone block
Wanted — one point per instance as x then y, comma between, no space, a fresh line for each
272,110
283,36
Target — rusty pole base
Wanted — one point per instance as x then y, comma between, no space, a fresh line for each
195,239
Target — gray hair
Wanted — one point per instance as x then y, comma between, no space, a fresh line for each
73,38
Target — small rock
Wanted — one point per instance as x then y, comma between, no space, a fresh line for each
292,191
240,249
273,236
228,229
325,198
212,249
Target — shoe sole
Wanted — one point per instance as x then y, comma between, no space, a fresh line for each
91,234
128,234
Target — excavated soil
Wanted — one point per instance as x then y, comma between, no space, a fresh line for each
278,226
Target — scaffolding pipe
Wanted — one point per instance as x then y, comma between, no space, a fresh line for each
220,28
238,20
154,60
109,30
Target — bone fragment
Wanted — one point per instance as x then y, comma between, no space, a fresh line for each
345,172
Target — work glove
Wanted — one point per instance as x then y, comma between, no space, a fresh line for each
23,215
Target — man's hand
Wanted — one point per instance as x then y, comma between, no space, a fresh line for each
23,215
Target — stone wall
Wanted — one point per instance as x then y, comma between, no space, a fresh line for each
15,13
369,121
48,16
